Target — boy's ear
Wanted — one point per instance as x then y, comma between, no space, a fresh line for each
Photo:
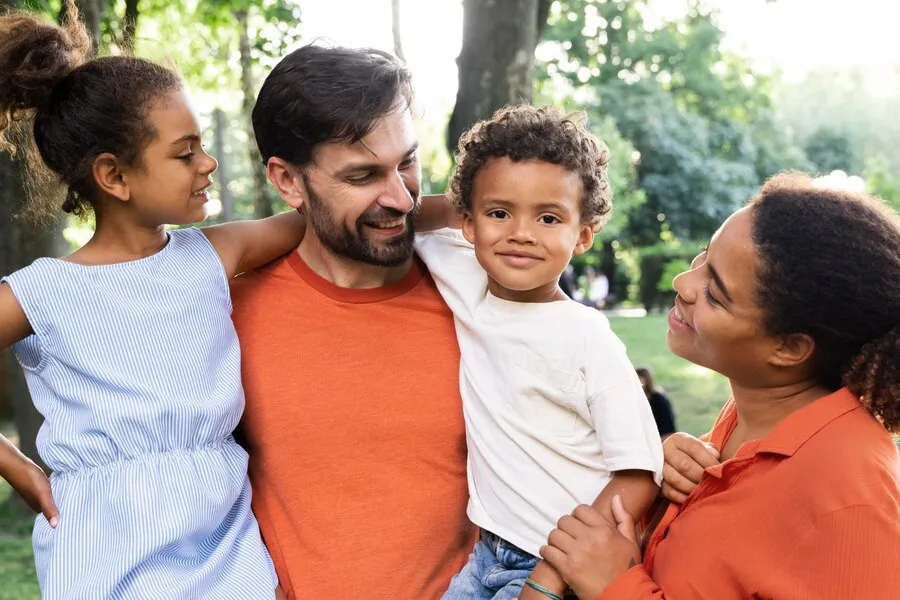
585,239
110,178
468,227
287,180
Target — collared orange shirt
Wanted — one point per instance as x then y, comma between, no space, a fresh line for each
811,511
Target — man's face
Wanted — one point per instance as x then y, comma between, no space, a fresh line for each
362,198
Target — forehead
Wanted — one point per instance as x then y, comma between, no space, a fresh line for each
733,254
173,116
388,143
527,181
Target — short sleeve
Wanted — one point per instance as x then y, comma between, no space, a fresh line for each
621,414
453,266
32,291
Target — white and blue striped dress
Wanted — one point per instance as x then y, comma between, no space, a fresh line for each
136,370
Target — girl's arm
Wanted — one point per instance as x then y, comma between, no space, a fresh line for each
436,213
28,479
246,245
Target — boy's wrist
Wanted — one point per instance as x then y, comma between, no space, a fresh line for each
547,577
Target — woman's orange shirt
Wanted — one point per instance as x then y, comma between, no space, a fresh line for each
811,511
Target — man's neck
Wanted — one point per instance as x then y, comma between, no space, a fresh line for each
344,272
760,410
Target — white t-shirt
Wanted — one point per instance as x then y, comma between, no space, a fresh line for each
552,404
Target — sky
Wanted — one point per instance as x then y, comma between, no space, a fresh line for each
793,36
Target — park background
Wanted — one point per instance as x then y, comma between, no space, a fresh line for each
699,102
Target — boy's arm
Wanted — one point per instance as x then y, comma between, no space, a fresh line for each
435,212
246,245
638,492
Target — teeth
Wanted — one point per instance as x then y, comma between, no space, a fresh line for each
391,225
678,316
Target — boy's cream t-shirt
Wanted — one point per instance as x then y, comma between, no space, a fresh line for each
552,404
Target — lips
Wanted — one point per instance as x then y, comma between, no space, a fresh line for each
677,319
388,224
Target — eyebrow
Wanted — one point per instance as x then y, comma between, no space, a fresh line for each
719,283
351,167
191,137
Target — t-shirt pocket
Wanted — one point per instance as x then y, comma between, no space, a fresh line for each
546,394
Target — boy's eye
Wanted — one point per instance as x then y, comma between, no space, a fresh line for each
549,219
498,213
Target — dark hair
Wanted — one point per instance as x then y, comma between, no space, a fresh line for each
80,108
319,93
830,268
647,375
548,134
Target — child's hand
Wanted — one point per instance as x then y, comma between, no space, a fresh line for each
30,481
685,459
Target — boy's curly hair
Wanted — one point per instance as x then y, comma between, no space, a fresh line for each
547,134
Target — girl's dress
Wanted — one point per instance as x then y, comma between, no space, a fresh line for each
136,369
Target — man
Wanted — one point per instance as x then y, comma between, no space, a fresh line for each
350,363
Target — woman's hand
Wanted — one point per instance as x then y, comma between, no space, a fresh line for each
686,457
589,552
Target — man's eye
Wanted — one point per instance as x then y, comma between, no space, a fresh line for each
360,179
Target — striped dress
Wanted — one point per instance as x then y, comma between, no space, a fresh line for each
136,370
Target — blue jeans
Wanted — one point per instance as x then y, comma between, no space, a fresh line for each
496,571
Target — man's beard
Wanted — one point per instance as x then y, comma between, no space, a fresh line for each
353,244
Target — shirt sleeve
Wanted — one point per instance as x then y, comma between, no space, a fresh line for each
619,409
850,553
633,584
453,266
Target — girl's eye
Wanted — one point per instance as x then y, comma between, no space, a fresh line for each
709,297
549,219
498,213
186,157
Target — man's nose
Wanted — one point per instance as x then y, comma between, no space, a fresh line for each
396,195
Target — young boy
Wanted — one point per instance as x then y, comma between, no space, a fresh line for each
554,411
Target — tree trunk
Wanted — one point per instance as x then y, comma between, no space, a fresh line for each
395,29
129,25
220,124
262,204
496,62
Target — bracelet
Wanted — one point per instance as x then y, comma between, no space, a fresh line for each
541,589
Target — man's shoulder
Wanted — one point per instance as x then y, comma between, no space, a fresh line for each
260,284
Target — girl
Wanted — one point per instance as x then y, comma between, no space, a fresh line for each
127,344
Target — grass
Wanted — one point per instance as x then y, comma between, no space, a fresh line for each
16,557
696,394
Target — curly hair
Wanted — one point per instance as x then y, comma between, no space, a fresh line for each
547,134
79,108
830,268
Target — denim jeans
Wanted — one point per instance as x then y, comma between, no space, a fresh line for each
496,571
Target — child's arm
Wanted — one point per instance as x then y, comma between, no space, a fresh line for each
21,472
246,245
436,213
637,490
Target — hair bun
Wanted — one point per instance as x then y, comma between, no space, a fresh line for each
35,56
874,375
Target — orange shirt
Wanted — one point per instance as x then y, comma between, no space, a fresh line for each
355,431
811,511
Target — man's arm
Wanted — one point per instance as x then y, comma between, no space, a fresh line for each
246,245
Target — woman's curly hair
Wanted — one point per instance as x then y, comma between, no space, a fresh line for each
830,268
547,134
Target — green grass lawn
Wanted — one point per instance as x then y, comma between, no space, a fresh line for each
17,577
696,393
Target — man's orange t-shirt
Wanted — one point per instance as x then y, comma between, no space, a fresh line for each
355,431
809,512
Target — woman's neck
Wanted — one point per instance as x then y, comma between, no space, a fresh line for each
760,410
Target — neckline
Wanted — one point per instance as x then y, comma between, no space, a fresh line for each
125,263
411,279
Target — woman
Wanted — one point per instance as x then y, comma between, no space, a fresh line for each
797,302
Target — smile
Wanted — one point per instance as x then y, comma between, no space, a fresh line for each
389,224
677,322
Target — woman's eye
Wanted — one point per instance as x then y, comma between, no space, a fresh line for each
709,297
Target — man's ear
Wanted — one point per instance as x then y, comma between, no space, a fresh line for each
109,177
287,180
793,350
585,240
468,227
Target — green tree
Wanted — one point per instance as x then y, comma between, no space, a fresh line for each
829,149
